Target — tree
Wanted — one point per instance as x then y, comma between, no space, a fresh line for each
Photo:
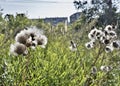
10,20
21,20
104,10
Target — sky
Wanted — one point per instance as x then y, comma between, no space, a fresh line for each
39,8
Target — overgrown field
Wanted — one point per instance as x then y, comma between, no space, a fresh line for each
56,65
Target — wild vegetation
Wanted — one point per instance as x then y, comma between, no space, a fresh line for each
56,64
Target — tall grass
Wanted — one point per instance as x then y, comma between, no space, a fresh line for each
56,65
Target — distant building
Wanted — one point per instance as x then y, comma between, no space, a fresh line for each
55,20
74,17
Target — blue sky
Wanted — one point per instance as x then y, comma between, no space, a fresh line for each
39,8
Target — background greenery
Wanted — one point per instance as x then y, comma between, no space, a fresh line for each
56,65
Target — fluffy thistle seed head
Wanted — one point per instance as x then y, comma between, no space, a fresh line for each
114,26
109,49
112,35
105,36
94,70
41,40
73,46
34,44
99,34
30,37
92,34
106,41
102,38
108,28
21,37
105,32
90,44
18,49
24,38
105,68
116,44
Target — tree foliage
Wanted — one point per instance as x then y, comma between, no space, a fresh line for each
104,10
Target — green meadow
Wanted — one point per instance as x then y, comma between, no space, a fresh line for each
56,65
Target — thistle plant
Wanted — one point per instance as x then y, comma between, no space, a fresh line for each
28,38
73,46
105,41
107,37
